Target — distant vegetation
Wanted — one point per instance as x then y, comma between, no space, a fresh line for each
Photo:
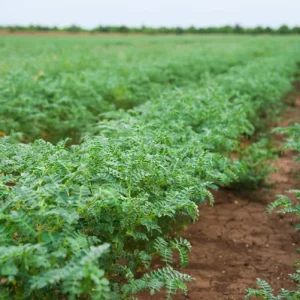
236,29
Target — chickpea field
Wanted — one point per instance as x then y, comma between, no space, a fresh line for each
111,147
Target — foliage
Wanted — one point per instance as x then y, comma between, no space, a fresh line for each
86,220
265,292
54,88
293,139
255,167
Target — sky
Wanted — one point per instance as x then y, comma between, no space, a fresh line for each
91,13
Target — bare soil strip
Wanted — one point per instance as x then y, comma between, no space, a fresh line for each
234,242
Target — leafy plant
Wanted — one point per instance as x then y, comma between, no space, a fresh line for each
58,88
265,292
293,139
86,220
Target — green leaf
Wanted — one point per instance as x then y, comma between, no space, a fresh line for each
9,269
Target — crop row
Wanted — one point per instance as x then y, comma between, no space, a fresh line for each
59,89
86,220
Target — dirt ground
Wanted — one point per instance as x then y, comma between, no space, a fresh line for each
234,242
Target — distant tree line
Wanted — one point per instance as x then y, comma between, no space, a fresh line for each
236,29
